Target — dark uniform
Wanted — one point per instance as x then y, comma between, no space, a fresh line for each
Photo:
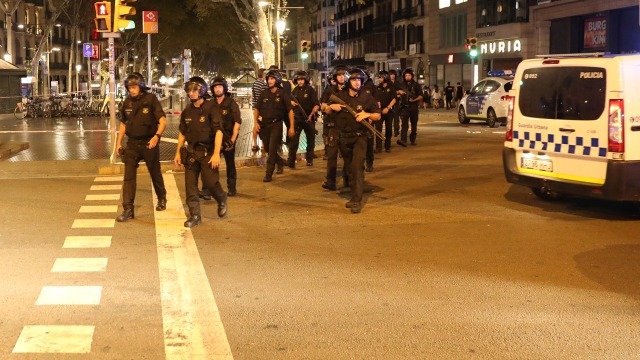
229,112
409,110
199,125
141,116
386,94
307,98
372,90
353,142
331,135
274,108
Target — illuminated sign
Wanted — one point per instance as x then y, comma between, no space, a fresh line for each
595,33
450,59
501,46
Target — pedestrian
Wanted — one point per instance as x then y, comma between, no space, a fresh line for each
331,133
353,134
436,96
258,87
459,94
426,91
369,87
143,121
395,112
229,112
274,107
306,105
411,91
387,100
200,128
448,95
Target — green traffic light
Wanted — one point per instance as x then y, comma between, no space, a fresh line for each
473,53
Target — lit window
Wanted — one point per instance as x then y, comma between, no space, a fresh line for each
445,4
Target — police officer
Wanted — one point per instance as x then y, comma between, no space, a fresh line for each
231,120
274,106
143,121
330,131
393,74
370,88
353,134
200,128
411,92
387,100
306,105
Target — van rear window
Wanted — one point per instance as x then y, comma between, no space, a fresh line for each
567,93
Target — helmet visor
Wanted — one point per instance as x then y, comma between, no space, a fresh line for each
192,86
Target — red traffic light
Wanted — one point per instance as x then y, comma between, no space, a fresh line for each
102,8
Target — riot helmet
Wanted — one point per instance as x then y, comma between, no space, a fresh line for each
219,80
340,70
301,74
384,75
407,71
357,73
198,84
274,73
135,79
366,71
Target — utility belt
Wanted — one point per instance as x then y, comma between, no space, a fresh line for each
141,138
193,153
269,121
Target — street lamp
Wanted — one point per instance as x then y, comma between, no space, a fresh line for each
78,68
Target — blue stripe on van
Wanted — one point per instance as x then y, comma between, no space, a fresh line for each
567,145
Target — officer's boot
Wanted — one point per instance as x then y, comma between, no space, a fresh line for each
280,165
192,221
127,214
162,204
231,187
309,158
268,176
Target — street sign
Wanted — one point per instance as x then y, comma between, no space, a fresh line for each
149,22
95,52
87,50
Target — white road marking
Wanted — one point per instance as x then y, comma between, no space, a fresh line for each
93,223
105,187
99,209
69,295
108,178
102,197
79,265
67,339
192,325
86,242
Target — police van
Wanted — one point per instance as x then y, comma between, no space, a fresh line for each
573,126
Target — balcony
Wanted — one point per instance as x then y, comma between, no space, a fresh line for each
407,13
348,62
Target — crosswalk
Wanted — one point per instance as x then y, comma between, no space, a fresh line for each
75,339
192,326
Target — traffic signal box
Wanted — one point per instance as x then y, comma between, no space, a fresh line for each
471,45
103,16
121,11
305,48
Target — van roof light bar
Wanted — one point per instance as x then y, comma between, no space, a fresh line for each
575,55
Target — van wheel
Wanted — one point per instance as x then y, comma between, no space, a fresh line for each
546,194
492,119
462,116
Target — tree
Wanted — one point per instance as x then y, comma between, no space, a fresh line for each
55,7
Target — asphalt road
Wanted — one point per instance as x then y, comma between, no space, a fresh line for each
446,261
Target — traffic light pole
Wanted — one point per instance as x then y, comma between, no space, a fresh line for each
112,91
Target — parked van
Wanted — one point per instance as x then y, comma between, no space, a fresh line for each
573,126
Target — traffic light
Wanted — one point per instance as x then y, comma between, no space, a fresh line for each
305,48
473,47
467,44
121,11
103,16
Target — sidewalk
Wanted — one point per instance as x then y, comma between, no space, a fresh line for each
84,144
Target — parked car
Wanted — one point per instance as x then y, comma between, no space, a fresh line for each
487,100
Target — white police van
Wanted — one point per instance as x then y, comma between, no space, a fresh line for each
488,99
573,126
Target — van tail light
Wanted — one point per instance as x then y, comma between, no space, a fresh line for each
508,135
616,125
